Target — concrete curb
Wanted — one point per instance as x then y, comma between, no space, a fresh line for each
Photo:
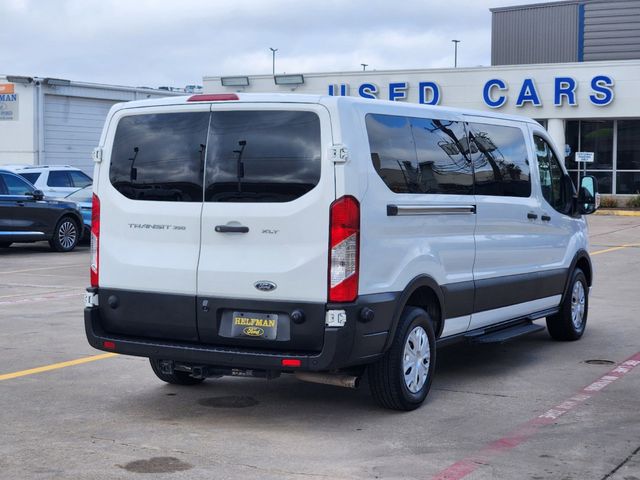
620,213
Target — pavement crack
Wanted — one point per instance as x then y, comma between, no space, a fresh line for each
476,393
621,464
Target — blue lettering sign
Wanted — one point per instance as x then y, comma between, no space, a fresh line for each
528,93
12,97
398,91
565,87
602,87
342,90
368,90
429,93
486,93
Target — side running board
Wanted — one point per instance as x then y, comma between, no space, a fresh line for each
505,334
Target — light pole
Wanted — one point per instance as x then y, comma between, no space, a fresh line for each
273,60
364,66
455,57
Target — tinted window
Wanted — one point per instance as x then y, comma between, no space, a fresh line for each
418,155
554,188
160,157
58,179
393,151
79,179
30,177
16,185
3,189
500,160
443,166
262,156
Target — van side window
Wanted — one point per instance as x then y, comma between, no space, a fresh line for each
551,177
500,160
419,155
160,156
262,156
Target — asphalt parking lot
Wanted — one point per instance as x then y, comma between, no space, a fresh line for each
529,409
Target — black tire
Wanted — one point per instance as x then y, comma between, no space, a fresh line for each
387,376
561,326
176,378
66,235
5,244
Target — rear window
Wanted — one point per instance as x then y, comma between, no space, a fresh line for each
251,156
58,178
30,177
79,179
262,156
160,157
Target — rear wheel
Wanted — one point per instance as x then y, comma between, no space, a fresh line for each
175,378
5,244
65,236
570,322
401,379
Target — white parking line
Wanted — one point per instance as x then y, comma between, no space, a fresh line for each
45,268
41,298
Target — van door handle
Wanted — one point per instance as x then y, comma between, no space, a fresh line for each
531,216
231,229
545,218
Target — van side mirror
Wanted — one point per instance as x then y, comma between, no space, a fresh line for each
37,194
588,196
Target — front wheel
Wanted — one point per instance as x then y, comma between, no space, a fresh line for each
175,378
65,236
570,322
401,379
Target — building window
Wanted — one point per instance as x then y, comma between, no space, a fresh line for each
592,136
628,145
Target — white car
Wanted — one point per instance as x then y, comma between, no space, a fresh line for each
56,181
330,237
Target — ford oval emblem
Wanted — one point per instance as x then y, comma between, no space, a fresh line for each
265,286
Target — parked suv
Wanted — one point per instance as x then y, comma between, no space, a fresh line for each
56,181
330,237
27,216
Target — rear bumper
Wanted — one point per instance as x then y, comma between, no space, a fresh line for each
355,343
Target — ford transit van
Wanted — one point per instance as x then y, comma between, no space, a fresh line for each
328,237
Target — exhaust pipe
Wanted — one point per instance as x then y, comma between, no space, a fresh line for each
338,380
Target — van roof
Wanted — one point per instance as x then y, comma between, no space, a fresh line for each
308,98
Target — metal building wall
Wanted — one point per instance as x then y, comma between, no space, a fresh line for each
72,128
546,33
611,30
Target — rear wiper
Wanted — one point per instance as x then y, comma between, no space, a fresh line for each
239,164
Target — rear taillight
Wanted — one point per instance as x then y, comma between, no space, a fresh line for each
344,245
95,239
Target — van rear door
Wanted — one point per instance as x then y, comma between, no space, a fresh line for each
151,202
265,220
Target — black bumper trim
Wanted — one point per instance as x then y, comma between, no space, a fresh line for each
209,354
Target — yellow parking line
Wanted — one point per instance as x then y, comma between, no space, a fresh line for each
613,249
55,366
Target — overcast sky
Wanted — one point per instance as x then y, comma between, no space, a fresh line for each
157,42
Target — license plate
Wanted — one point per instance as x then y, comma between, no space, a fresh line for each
254,325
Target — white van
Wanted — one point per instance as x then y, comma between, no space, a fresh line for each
329,237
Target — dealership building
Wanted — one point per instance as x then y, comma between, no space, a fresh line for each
572,65
55,121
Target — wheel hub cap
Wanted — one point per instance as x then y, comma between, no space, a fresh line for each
577,305
67,234
416,359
